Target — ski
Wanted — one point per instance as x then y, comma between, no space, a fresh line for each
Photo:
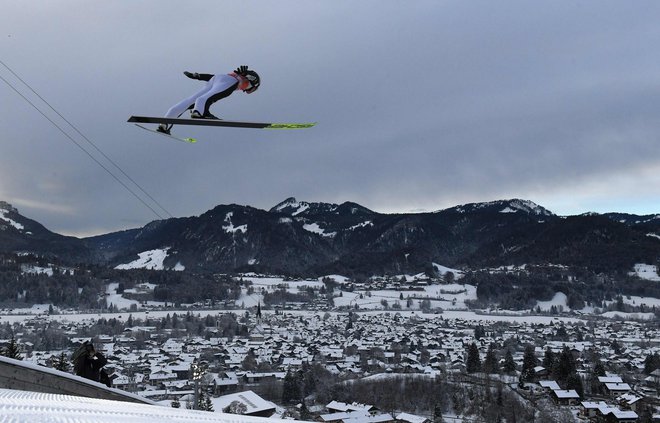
186,140
218,122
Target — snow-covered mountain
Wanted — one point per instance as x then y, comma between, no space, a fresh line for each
20,234
305,238
506,206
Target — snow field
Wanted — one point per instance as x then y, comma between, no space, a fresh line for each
646,271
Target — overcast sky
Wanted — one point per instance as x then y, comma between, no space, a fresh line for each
421,105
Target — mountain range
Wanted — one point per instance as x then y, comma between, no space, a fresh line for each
300,238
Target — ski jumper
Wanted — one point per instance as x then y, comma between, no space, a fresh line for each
217,87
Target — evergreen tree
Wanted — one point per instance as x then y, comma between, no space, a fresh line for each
479,332
491,364
565,367
437,414
249,363
473,362
208,405
12,350
574,381
548,360
204,401
304,412
200,400
651,363
61,363
509,366
290,389
529,362
599,369
592,379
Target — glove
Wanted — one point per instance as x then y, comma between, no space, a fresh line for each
242,70
191,75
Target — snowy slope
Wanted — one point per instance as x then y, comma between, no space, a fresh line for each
33,407
153,259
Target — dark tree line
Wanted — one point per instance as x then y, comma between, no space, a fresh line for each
522,290
85,289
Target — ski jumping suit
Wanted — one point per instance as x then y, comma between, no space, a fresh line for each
217,87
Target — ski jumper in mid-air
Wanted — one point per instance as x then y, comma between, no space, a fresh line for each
217,87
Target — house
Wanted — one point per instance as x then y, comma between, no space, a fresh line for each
224,385
254,377
160,376
565,397
252,403
540,371
617,389
589,409
378,418
610,379
614,415
341,416
411,418
337,406
629,401
549,385
653,380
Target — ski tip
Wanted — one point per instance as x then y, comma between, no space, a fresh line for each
190,140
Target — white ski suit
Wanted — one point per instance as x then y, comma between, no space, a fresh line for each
217,87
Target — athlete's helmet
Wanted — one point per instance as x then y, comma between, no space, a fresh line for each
254,79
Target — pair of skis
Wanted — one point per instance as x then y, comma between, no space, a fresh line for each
210,122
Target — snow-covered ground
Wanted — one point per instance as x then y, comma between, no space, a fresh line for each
24,406
628,316
647,271
559,300
118,300
152,259
111,297
36,309
447,298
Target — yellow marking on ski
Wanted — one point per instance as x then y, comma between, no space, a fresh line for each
290,125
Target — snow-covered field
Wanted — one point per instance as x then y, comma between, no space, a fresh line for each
449,299
559,300
446,296
112,298
647,271
152,259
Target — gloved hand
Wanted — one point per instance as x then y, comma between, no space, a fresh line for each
191,75
242,70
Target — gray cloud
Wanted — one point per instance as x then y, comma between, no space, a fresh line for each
421,105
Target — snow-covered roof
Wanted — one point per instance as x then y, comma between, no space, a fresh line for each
550,384
252,401
378,418
410,418
609,379
568,393
618,386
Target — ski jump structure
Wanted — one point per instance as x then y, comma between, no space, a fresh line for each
24,376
